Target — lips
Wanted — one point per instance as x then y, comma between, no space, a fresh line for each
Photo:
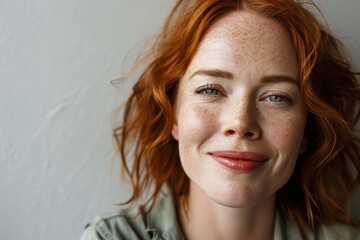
239,161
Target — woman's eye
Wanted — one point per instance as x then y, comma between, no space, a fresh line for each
275,98
279,98
208,90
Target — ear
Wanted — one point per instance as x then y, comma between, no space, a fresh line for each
175,132
304,145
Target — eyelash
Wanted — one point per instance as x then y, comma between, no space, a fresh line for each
208,87
284,97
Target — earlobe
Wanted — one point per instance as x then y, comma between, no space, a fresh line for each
175,132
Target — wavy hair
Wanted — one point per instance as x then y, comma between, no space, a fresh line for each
326,174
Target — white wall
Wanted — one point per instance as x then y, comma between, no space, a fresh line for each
57,58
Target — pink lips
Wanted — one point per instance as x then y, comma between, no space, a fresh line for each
239,161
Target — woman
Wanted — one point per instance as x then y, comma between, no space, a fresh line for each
243,127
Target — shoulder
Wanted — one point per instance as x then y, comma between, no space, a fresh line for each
286,229
120,225
136,223
337,231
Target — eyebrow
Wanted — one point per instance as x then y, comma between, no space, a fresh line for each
273,78
217,73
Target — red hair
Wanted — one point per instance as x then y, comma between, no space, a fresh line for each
324,178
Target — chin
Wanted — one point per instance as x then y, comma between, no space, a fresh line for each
240,200
234,196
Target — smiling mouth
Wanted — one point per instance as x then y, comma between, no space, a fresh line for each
239,161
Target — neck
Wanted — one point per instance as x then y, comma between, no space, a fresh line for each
205,219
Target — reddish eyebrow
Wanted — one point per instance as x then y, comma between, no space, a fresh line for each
214,73
279,79
217,73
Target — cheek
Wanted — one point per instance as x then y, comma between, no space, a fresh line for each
286,137
195,126
195,121
287,132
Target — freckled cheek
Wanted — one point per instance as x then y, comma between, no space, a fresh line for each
195,127
195,121
286,133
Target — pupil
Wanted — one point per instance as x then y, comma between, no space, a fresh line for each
276,98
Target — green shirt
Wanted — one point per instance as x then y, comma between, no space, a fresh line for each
161,223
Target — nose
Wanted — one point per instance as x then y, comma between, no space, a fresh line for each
241,120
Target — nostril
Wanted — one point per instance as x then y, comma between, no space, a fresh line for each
230,132
250,130
249,134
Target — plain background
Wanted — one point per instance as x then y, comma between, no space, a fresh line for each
57,58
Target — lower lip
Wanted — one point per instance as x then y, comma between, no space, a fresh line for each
238,165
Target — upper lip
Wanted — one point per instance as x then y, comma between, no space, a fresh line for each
238,155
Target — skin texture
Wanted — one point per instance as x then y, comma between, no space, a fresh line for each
249,101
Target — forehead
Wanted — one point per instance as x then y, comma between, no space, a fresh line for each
244,36
246,23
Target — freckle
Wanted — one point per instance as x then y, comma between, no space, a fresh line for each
203,111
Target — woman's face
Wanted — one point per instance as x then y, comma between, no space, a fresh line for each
240,116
